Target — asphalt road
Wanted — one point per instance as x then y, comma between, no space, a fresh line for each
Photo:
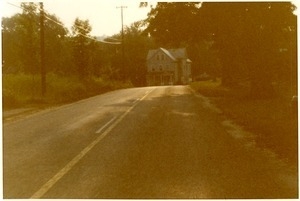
154,142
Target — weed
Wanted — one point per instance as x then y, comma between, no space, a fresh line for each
20,90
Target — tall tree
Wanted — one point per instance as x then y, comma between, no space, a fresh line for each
137,45
176,24
224,22
81,30
55,45
12,44
252,34
21,37
247,37
274,23
30,38
172,24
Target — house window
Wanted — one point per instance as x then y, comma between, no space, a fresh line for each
160,67
157,57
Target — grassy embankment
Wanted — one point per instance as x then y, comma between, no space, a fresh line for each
273,121
20,90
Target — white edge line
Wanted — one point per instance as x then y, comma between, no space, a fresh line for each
48,185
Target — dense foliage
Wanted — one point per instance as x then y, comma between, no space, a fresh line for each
254,41
240,42
70,53
70,57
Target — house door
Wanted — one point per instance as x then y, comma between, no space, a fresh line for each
158,80
166,80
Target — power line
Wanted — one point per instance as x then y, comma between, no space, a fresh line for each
48,18
113,39
39,10
13,5
58,23
102,41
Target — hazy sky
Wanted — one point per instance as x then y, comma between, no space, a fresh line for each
104,16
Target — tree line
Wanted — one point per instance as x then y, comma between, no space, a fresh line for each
239,42
73,52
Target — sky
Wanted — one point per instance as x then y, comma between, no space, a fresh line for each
103,16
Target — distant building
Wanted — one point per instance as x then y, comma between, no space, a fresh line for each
168,67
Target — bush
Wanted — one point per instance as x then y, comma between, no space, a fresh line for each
210,88
19,89
9,99
23,89
64,89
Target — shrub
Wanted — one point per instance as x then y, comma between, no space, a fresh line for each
23,89
19,89
210,88
61,89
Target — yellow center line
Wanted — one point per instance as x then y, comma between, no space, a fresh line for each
103,127
48,185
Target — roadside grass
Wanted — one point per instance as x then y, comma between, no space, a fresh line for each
21,90
274,121
210,88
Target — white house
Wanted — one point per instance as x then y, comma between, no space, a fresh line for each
168,67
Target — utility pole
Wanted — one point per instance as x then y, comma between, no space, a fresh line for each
42,46
122,34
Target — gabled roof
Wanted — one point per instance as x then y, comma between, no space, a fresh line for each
179,53
151,53
168,53
173,54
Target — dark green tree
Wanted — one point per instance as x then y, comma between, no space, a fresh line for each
56,52
273,26
21,42
12,44
137,45
81,42
172,24
30,39
248,37
177,24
